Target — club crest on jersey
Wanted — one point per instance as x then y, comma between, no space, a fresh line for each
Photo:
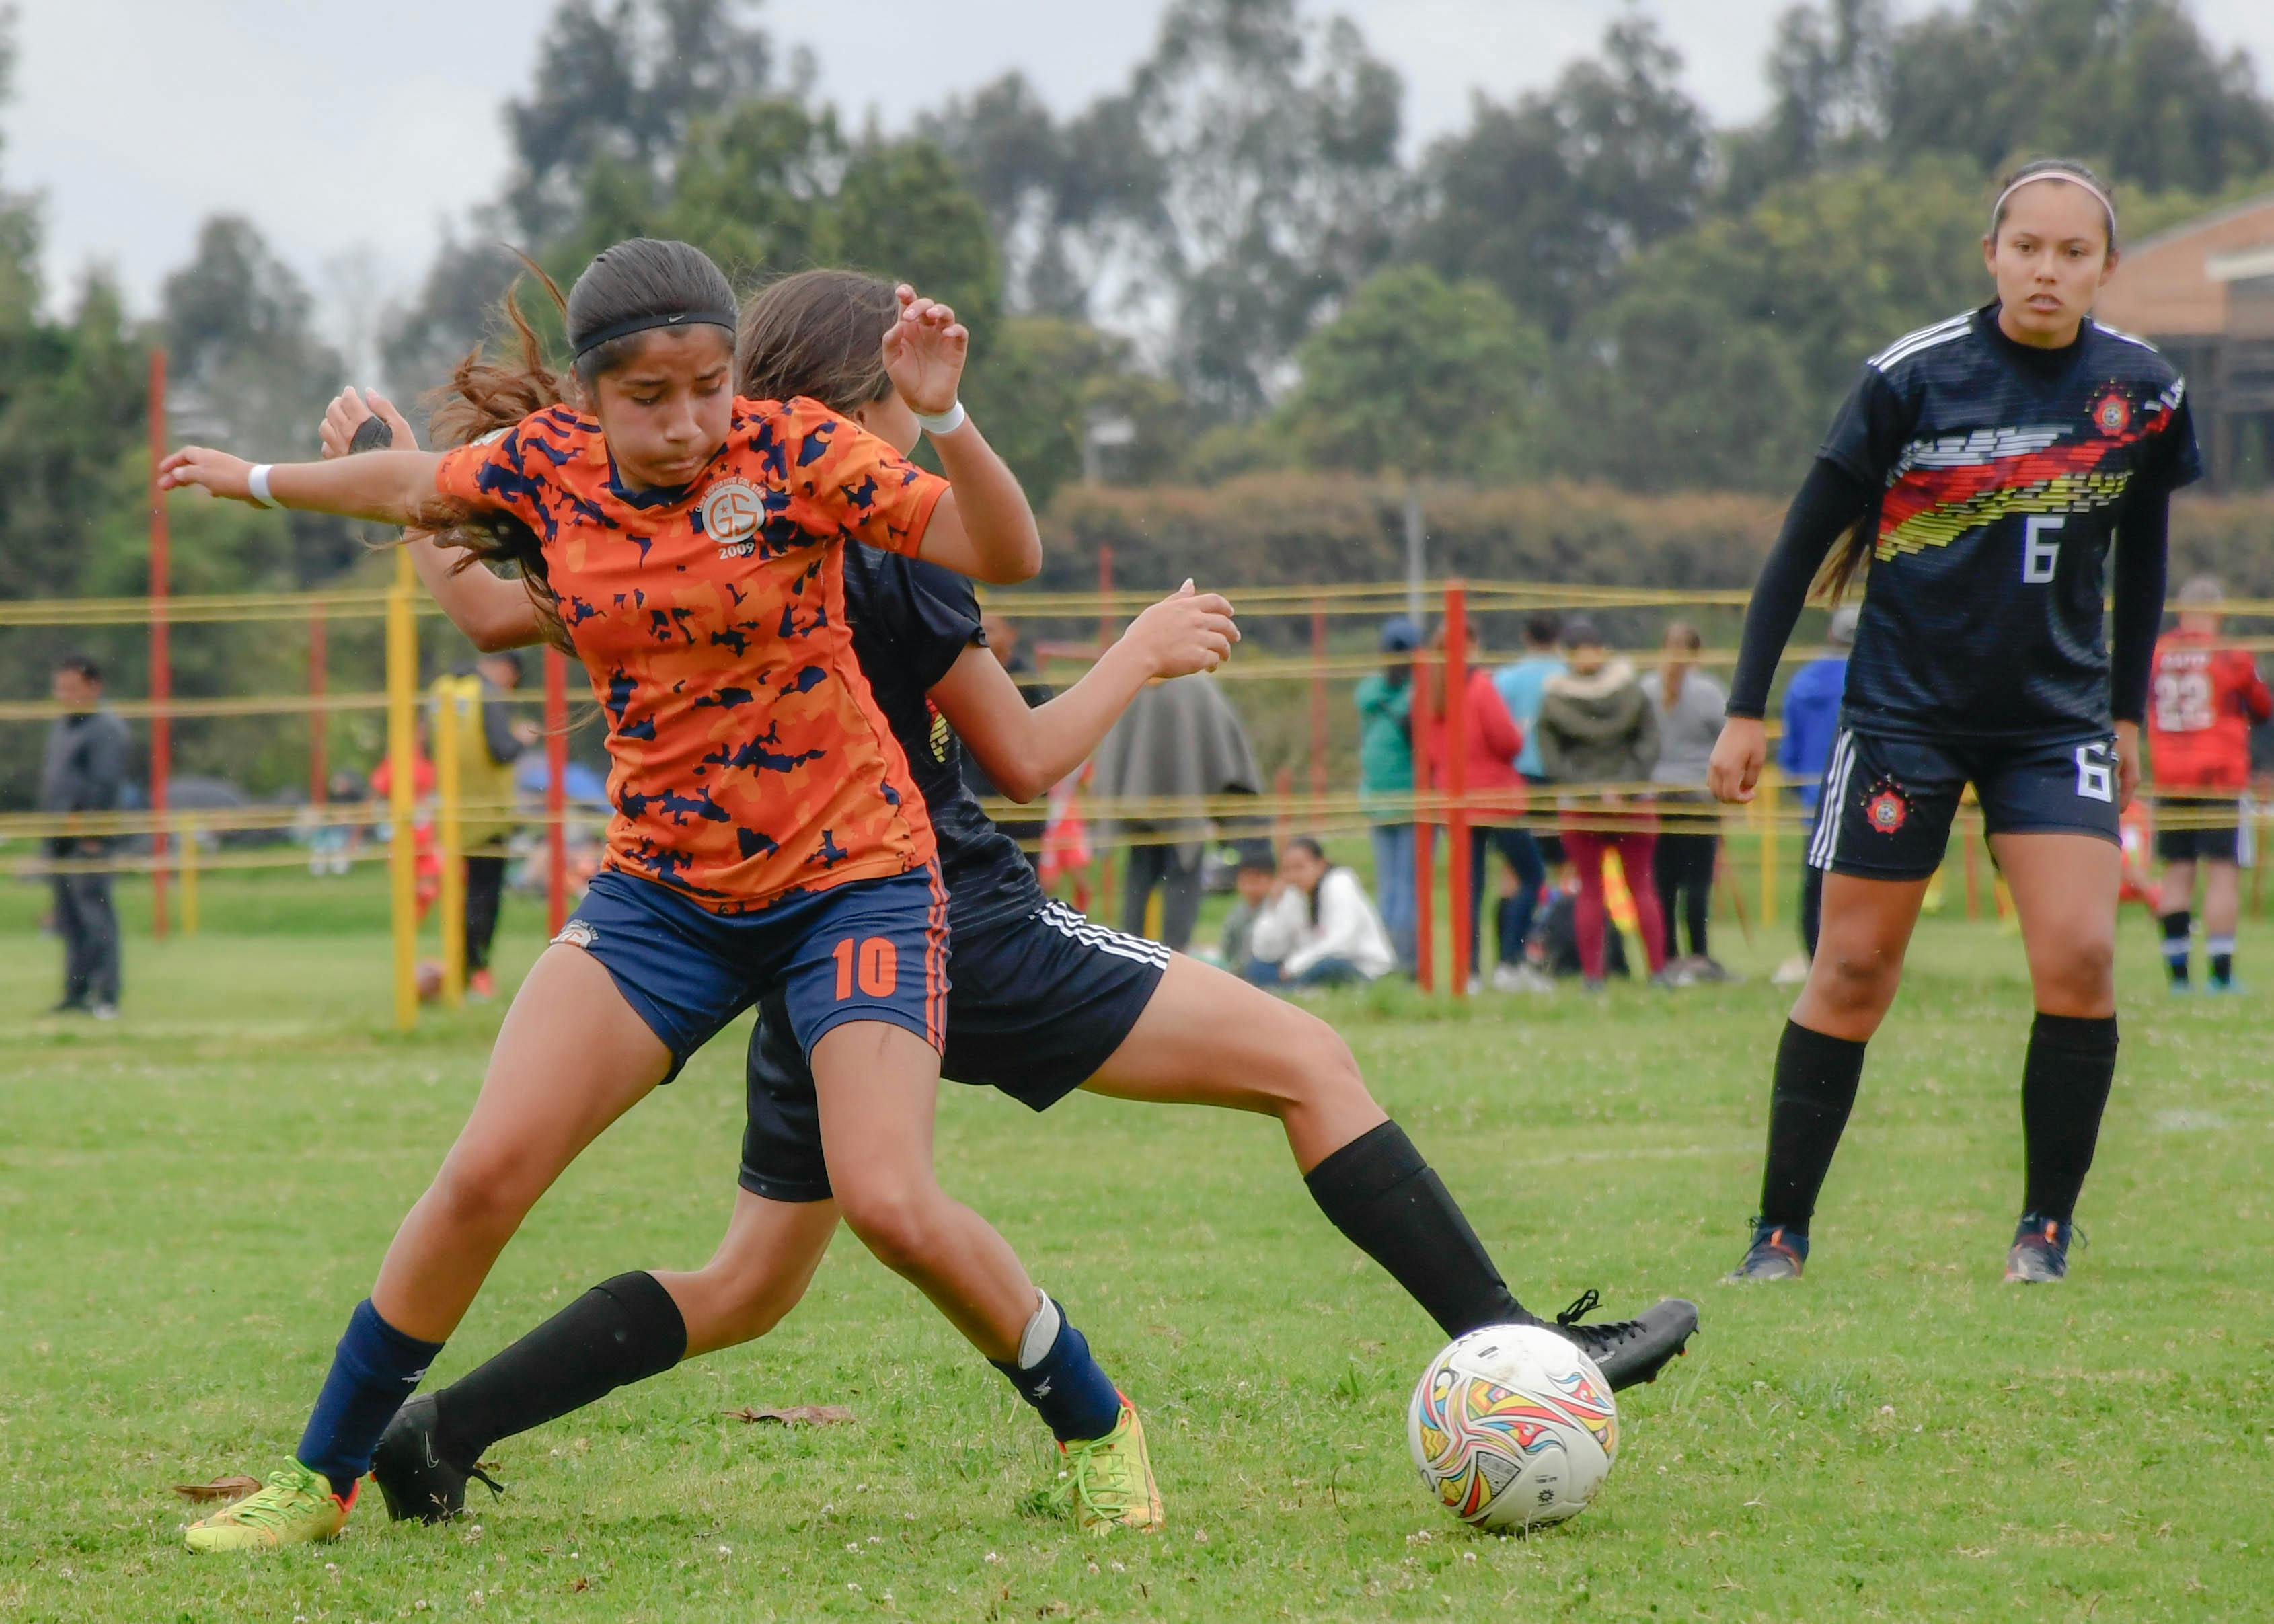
1886,809
940,735
731,514
2112,413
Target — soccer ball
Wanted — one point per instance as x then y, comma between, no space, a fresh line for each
1512,1427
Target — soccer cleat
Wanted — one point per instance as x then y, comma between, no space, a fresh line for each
2228,989
1107,1482
2040,1255
413,1477
1777,1253
1629,1352
296,1507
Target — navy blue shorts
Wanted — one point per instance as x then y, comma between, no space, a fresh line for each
1040,1003
868,950
1887,803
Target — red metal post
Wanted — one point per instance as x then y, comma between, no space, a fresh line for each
1424,850
1318,700
1456,779
161,653
556,790
319,770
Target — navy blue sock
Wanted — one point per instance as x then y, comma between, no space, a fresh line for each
1066,1388
374,1370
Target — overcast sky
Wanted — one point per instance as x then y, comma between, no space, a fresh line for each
352,133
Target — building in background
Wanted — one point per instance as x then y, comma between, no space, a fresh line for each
2204,293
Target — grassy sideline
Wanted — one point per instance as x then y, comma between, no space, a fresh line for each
192,1199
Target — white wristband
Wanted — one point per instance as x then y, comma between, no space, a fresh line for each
942,421
257,482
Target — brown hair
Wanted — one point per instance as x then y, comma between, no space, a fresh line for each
819,334
1680,635
641,281
2053,169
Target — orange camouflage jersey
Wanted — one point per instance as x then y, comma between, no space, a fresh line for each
748,761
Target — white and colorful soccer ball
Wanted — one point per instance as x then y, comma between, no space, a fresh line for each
1512,1427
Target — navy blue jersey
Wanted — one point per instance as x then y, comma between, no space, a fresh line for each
2002,472
911,620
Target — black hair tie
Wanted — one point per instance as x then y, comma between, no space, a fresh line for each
648,323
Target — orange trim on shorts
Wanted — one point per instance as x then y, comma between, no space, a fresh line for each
935,961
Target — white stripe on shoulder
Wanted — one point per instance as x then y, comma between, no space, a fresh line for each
2129,338
1925,338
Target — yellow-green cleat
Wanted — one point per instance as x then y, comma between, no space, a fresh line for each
296,1507
1108,1482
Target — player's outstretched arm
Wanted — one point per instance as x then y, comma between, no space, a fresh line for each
494,614
1025,752
387,487
982,527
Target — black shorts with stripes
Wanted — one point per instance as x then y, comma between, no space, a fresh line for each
1887,802
1036,1005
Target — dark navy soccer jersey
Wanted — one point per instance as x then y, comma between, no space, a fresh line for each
911,620
2002,472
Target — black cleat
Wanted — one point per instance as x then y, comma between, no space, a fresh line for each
1777,1253
1629,1352
413,1477
2040,1255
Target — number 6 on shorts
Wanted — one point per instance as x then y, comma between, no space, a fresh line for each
2096,768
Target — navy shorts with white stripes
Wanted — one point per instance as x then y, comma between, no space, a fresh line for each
1036,1004
1888,802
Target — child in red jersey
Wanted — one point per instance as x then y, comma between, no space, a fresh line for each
2203,700
688,546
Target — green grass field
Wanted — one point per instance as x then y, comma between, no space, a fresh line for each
192,1199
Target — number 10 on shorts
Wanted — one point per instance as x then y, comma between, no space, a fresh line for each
874,965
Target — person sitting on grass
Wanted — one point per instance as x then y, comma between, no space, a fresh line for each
1251,881
1317,928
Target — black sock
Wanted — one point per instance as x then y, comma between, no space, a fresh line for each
2220,951
1815,1089
622,1331
2065,1084
1392,1207
2176,927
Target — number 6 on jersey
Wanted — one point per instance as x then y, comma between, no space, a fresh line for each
2038,555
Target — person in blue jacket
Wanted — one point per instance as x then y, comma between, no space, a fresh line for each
1812,722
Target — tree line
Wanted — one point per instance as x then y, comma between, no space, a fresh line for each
1231,270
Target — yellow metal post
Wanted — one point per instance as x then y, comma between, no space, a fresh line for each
402,800
1766,798
188,839
447,792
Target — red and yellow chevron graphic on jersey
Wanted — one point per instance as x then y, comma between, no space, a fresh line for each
1934,507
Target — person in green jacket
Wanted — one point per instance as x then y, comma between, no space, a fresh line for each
1385,775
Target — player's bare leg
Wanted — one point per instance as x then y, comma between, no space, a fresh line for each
2064,889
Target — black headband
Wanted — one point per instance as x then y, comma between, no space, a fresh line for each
642,324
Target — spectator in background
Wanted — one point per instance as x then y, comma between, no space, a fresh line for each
1316,928
1179,741
1385,777
1520,687
1003,642
2203,701
84,770
488,752
1596,728
1494,791
1688,705
1252,881
1812,722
